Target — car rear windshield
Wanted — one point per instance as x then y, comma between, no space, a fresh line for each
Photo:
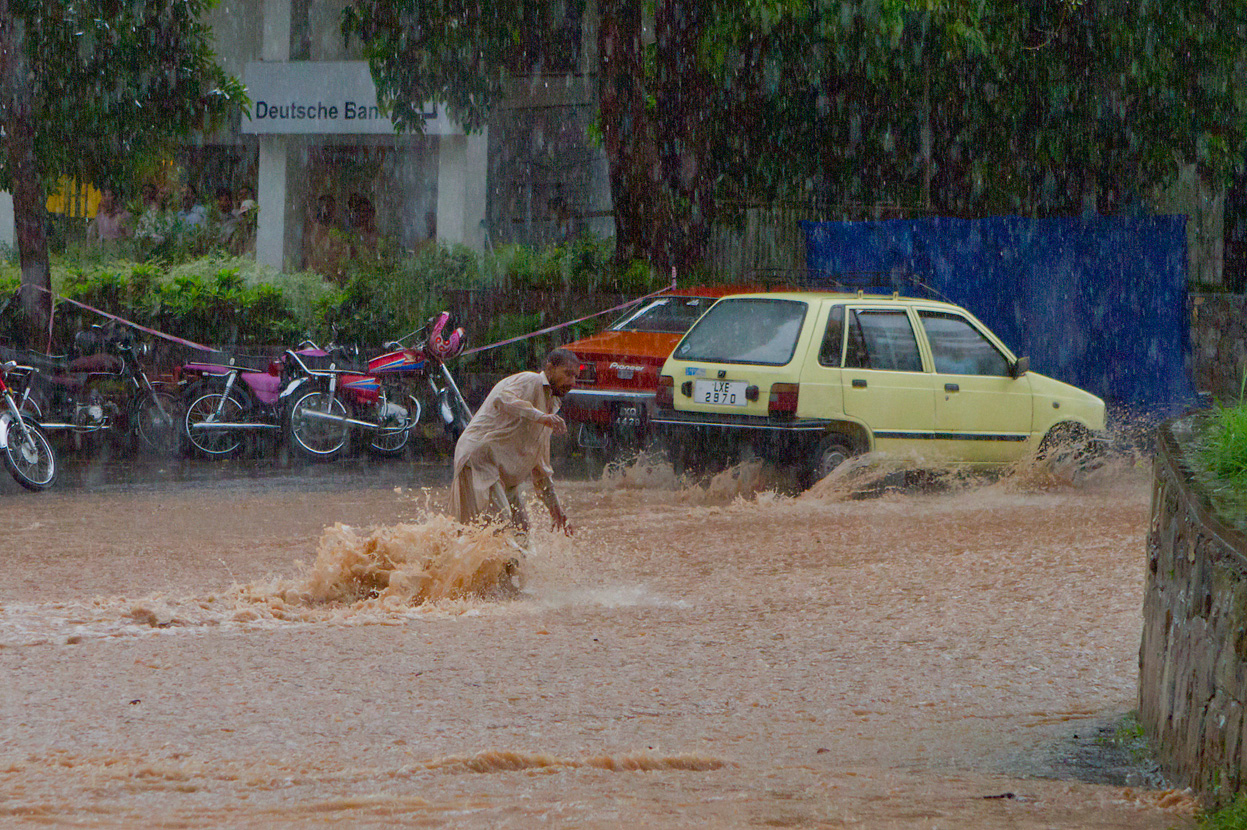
670,315
746,331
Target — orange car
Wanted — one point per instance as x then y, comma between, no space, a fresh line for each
610,407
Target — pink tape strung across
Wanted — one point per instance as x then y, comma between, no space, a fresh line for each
549,329
130,323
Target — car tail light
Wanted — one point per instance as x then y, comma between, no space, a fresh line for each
588,372
783,399
664,396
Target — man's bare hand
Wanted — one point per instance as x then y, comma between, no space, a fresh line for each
561,523
554,422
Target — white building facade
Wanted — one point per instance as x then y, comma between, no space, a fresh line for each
314,131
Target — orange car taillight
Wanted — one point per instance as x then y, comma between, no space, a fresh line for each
783,399
588,372
664,396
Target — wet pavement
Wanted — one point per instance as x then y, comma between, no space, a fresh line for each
693,656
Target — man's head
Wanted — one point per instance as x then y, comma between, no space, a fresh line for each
561,368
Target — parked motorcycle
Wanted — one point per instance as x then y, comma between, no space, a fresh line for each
27,453
332,396
228,400
104,389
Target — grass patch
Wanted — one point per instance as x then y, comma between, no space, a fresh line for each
1232,816
1217,455
1130,738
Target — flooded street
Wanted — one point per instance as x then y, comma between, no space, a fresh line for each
918,659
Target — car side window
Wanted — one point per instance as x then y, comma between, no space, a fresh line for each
833,338
959,348
882,340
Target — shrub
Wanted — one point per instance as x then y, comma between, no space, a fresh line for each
219,310
1217,455
1224,446
515,357
582,264
221,299
1232,816
381,303
512,267
303,291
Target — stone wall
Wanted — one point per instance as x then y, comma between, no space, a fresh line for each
1218,344
1193,657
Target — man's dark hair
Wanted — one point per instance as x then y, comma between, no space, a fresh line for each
561,357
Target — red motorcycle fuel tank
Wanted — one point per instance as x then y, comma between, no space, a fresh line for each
399,360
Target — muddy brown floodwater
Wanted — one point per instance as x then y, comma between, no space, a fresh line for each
690,658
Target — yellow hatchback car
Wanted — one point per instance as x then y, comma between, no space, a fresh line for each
810,379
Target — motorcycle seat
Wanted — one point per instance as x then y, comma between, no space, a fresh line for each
227,360
99,362
319,361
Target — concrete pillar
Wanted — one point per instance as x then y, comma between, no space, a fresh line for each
270,232
275,41
271,189
462,177
8,224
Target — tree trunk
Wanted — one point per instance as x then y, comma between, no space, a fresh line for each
627,128
683,131
27,185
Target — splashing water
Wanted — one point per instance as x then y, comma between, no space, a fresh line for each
358,576
407,564
876,473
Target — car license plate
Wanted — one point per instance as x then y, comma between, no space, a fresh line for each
721,392
627,416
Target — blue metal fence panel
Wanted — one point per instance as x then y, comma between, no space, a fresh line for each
1097,302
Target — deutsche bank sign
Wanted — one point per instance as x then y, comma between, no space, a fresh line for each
332,97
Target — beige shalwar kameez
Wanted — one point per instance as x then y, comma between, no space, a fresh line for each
503,447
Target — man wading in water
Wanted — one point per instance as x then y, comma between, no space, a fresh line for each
508,443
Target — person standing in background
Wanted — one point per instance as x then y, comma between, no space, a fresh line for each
325,247
111,219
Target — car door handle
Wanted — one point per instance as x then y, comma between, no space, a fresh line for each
859,384
951,387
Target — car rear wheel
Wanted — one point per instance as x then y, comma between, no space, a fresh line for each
832,451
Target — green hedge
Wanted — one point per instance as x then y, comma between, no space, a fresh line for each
224,300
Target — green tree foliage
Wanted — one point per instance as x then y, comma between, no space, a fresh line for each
91,88
453,52
118,83
969,107
884,107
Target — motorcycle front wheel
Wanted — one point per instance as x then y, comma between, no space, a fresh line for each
316,427
208,407
156,426
30,459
